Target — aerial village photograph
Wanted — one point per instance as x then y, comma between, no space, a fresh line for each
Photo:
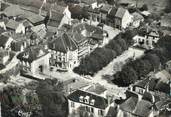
85,58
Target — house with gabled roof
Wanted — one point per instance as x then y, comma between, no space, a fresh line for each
58,15
122,18
34,60
64,52
91,100
15,26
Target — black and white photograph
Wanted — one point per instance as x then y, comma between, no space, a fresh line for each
85,58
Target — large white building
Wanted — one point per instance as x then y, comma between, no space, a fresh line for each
92,101
64,52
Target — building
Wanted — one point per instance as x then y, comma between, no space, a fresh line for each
87,38
15,26
92,101
155,85
136,107
36,19
146,41
137,19
122,18
5,42
34,60
64,52
58,15
104,12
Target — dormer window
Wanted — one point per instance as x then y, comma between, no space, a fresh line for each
92,102
86,99
81,98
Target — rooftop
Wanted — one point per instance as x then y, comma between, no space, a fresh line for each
63,43
12,24
137,16
120,12
13,10
100,102
35,18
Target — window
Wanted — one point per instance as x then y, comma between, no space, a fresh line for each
92,110
87,109
100,112
72,104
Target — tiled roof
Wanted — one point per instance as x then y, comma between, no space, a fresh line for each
143,108
130,104
137,16
40,30
63,43
35,18
12,24
112,112
105,8
13,10
100,102
78,37
120,12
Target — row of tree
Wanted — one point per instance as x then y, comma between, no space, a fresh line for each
152,61
100,57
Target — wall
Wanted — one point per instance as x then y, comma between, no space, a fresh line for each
44,61
126,20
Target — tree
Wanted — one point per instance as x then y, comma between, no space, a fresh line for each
144,7
153,59
54,103
122,43
126,77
